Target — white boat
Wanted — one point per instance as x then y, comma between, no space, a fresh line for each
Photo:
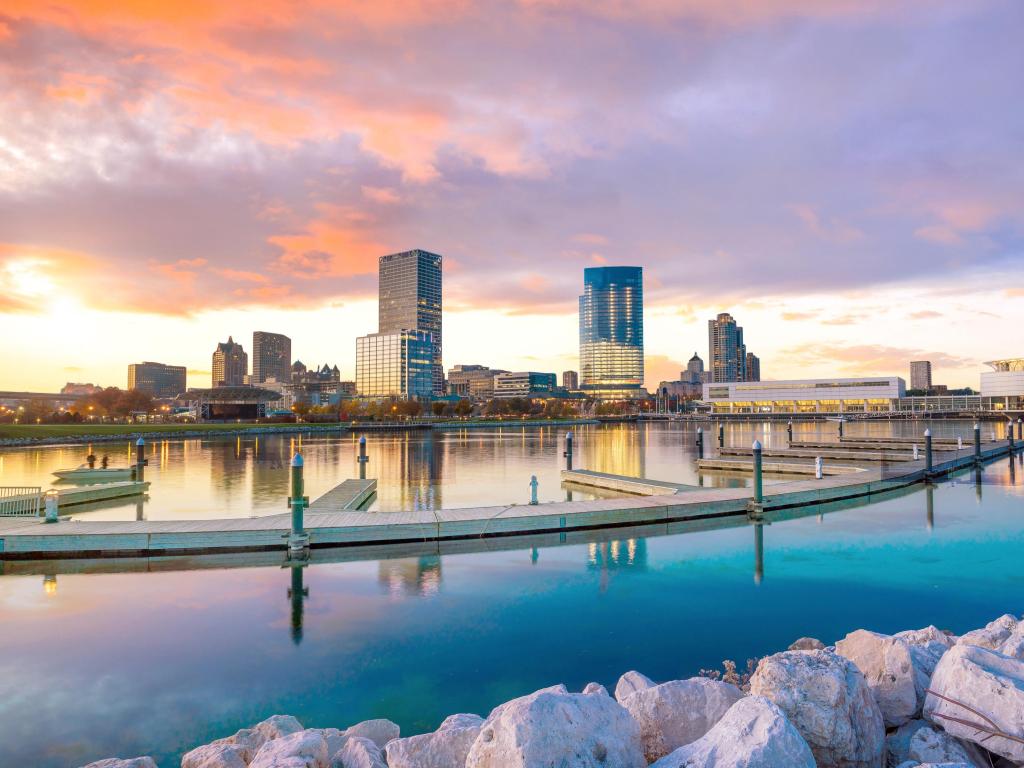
85,473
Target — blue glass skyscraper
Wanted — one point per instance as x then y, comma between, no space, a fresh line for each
612,333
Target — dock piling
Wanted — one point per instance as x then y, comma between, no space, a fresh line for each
298,539
363,458
700,442
789,430
758,480
1020,430
140,459
928,452
841,422
721,435
959,443
568,451
1009,437
533,489
917,454
977,442
51,500
819,468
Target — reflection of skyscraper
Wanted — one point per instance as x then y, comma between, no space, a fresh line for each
411,576
619,554
612,332
617,449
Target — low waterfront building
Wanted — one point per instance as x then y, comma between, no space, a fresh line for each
230,403
864,394
156,379
462,378
525,384
395,365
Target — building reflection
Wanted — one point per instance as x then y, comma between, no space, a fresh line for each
619,554
410,576
617,450
409,468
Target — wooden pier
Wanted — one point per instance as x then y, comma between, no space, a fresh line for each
775,467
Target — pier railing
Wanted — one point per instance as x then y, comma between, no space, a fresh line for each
20,501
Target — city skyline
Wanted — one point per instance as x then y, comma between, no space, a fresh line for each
879,208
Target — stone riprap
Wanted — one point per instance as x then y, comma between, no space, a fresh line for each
920,698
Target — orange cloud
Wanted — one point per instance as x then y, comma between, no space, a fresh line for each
328,248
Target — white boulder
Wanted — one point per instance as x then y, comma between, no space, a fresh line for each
216,755
992,635
1014,644
243,744
119,762
359,752
754,733
304,749
448,746
592,688
380,731
827,700
986,681
926,648
888,668
550,728
919,742
677,712
631,682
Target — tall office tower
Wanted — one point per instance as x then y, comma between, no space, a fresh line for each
271,357
753,367
612,333
570,380
726,351
921,374
157,379
694,373
410,300
230,364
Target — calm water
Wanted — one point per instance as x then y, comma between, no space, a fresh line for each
99,664
247,476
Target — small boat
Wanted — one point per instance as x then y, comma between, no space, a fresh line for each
85,473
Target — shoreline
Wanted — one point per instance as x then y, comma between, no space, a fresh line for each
915,698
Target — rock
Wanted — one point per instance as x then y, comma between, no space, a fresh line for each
216,755
304,749
595,688
986,681
335,741
828,701
380,732
992,635
560,688
1014,645
926,648
807,644
359,752
448,746
919,742
550,728
754,733
888,667
677,712
118,762
631,682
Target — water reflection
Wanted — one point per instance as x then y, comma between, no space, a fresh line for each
410,576
297,593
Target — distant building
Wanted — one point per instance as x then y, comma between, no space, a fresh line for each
462,377
230,364
409,299
612,333
694,373
752,368
570,380
524,384
727,353
400,364
157,379
271,357
868,394
73,388
682,390
921,375
1006,380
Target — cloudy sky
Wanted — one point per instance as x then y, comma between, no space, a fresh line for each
845,176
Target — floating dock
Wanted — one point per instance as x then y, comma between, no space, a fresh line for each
638,486
32,539
776,467
810,453
351,494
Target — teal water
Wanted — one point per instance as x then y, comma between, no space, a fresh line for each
94,665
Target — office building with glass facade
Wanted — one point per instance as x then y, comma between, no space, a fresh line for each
524,384
410,300
157,379
271,357
612,333
395,365
727,354
833,396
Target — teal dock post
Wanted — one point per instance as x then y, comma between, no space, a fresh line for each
1020,430
1009,437
841,421
140,459
363,459
721,435
758,481
298,540
700,442
977,442
533,489
927,453
51,500
568,451
789,430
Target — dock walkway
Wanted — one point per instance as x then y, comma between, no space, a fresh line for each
27,538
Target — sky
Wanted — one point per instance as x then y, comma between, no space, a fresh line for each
844,176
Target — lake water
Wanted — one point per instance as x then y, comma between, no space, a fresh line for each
97,664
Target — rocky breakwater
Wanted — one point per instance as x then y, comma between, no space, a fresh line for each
917,699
